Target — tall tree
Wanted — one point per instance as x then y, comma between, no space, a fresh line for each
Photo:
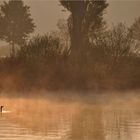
15,23
86,15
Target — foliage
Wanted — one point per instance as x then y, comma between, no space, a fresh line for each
15,22
111,62
113,57
135,28
85,16
63,33
40,46
40,57
114,44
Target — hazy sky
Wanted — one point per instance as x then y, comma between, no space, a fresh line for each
46,13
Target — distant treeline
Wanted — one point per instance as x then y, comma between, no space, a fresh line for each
111,62
83,55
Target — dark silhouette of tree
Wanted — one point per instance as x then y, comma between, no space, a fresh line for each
15,23
86,16
63,33
135,28
45,47
113,46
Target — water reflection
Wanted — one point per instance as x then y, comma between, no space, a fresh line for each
122,124
88,124
10,131
95,122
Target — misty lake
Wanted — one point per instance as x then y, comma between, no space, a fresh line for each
69,121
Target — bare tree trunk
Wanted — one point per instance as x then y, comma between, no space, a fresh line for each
76,37
76,34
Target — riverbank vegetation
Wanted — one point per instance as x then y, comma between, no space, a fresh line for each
84,55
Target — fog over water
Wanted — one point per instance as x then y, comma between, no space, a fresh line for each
74,84
108,117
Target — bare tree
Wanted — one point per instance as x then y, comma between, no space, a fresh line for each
114,45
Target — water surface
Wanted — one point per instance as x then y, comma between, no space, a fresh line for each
90,122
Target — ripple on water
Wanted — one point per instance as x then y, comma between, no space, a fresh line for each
86,124
10,131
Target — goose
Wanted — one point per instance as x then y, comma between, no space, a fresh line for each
4,111
1,107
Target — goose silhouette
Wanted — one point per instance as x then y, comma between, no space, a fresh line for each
3,111
1,107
